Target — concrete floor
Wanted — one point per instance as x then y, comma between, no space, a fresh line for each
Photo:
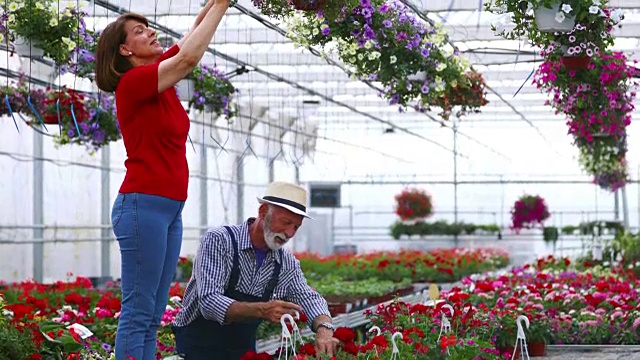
604,354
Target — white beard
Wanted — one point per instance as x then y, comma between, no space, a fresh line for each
270,236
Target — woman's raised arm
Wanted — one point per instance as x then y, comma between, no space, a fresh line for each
174,69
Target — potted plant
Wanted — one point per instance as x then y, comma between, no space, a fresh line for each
37,29
598,103
555,15
538,335
282,9
413,205
550,234
549,21
528,211
468,96
372,40
102,126
88,120
20,98
212,92
84,59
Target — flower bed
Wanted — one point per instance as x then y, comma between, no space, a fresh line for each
437,266
30,308
565,303
418,266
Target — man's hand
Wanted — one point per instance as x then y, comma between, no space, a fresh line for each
274,309
325,342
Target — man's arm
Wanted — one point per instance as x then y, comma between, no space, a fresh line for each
313,304
205,9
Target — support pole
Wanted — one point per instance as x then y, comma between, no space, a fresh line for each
239,189
105,212
625,208
455,177
638,197
272,171
204,191
616,205
38,207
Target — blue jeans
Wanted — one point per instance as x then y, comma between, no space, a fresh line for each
149,232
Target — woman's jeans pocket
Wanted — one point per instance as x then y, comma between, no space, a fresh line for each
117,209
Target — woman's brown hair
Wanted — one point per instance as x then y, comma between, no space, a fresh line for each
110,65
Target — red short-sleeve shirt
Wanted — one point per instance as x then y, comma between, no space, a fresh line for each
154,129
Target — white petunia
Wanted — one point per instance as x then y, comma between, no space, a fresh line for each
560,16
594,9
617,15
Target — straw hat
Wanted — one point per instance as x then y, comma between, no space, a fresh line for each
289,196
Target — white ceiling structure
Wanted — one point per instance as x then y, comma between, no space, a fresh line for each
282,76
505,65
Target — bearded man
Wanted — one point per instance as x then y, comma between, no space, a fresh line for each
242,276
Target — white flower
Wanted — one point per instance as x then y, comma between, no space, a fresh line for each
617,15
560,16
566,8
594,9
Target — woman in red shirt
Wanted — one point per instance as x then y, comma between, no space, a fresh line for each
146,214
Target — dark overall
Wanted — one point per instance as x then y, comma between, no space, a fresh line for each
208,340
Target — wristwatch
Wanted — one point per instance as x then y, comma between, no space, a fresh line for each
327,325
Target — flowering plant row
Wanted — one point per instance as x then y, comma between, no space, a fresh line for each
562,302
439,265
441,227
382,41
29,307
564,305
84,119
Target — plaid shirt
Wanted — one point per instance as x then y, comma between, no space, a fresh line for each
212,268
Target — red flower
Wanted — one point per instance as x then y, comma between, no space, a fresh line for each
344,334
252,355
413,204
307,349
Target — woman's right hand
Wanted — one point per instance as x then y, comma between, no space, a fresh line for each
220,2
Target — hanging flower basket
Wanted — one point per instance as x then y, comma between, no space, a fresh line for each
576,62
308,5
25,48
419,76
553,19
529,211
185,89
212,92
413,205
